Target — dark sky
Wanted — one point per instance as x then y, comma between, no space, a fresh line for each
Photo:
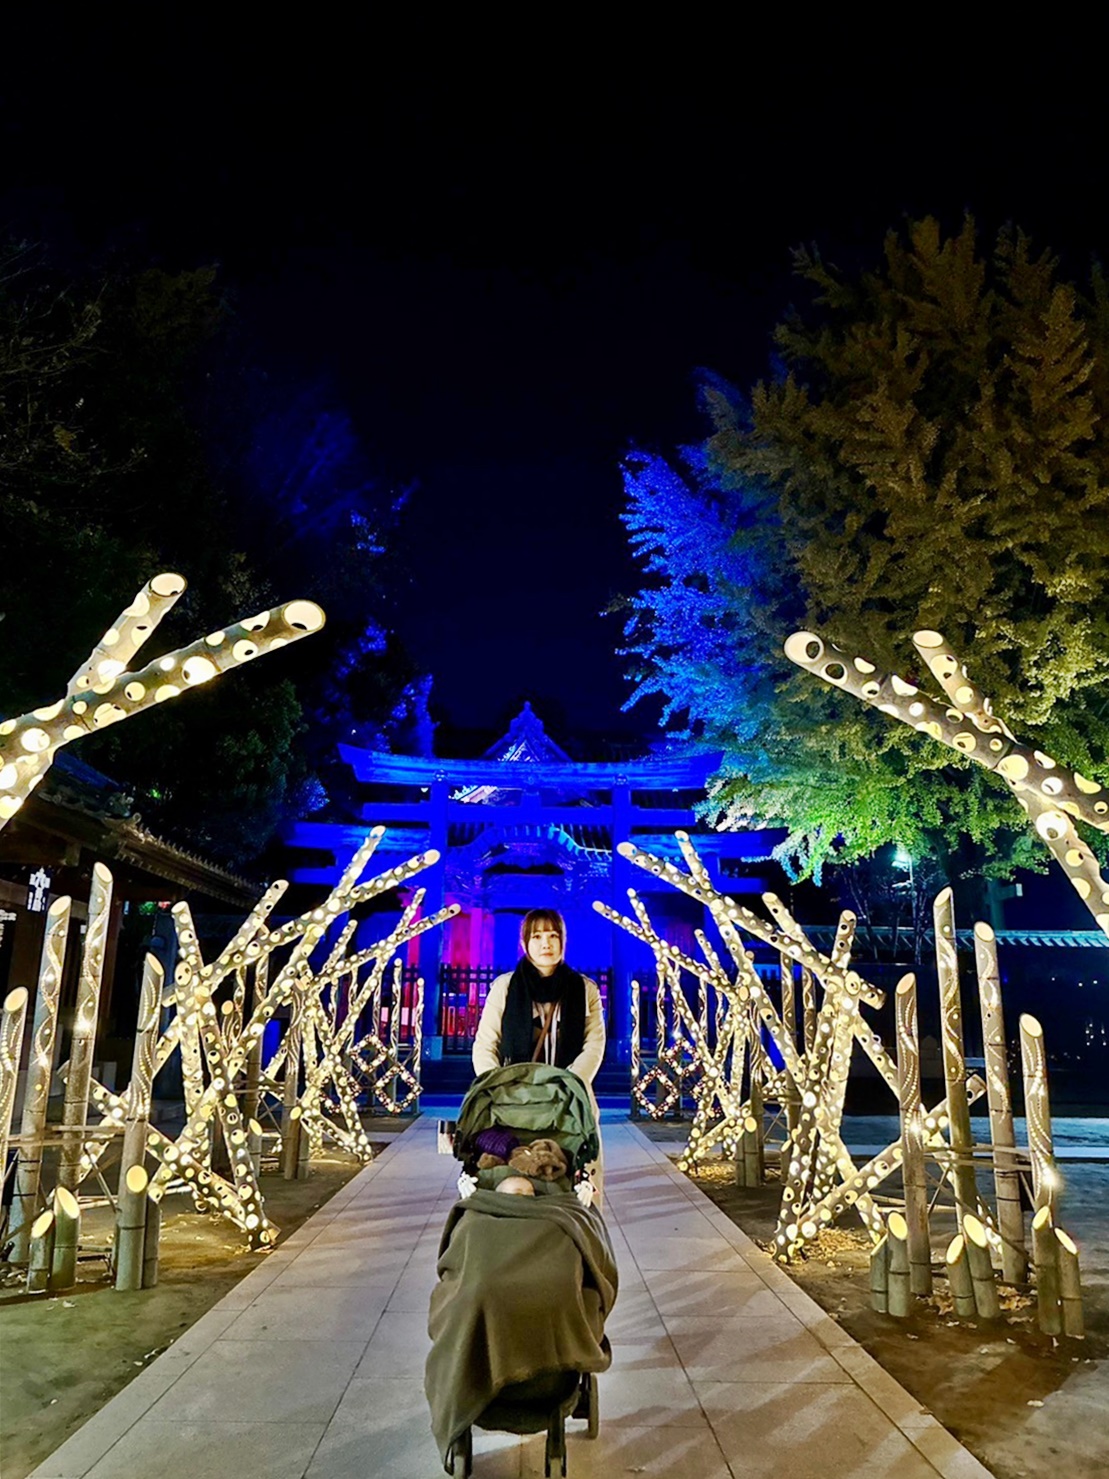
512,252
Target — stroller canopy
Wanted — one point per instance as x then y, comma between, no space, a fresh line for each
531,1099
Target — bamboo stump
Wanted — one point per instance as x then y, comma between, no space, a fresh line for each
880,1276
67,1232
41,1253
1045,1257
959,1279
981,1269
900,1287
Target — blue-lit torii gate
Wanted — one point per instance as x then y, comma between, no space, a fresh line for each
526,826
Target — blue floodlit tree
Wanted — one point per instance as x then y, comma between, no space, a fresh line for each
933,452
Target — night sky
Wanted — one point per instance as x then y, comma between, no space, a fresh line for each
511,255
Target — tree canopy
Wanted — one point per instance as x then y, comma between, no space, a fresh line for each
134,437
932,450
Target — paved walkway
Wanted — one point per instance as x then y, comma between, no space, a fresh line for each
311,1368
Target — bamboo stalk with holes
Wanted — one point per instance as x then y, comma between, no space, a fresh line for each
83,1043
808,1008
1010,1217
40,1069
253,1091
290,1113
142,1067
880,1276
981,1268
635,1049
1070,1286
1037,1113
67,1234
12,1021
40,1251
789,1027
899,1284
954,1059
959,1278
914,1179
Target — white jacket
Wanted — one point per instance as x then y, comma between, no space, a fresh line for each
487,1042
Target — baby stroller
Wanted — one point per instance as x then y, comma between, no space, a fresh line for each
525,1282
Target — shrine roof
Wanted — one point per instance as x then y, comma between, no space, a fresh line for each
663,773
526,758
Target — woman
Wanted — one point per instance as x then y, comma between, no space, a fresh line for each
542,1011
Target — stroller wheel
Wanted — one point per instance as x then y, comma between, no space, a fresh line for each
460,1459
556,1445
588,1406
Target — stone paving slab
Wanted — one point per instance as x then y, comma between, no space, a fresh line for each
312,1367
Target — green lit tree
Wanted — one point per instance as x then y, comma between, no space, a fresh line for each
933,452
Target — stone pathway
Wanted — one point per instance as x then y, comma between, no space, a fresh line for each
312,1367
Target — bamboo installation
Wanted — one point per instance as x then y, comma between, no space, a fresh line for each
1010,1217
913,1173
1037,1113
1045,1256
40,1068
820,1181
40,1252
959,1278
1054,798
12,1020
103,690
899,1285
67,1232
880,1275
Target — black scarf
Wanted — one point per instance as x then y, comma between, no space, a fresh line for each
565,986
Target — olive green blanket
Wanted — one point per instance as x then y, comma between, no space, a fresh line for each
525,1285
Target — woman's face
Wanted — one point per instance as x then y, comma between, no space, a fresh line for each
544,948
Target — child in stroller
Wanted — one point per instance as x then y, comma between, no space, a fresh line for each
525,1282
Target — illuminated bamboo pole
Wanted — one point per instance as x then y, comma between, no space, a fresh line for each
981,1268
394,1026
752,1152
67,1234
11,1046
880,1276
310,1134
152,1240
1010,1217
959,1279
1045,1258
418,1037
290,1115
1070,1286
954,1062
83,1044
254,1146
914,1178
252,1095
40,1252
635,1041
133,1177
40,1069
131,1228
808,1008
789,1027
1037,1114
899,1286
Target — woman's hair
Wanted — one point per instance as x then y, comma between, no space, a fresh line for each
536,919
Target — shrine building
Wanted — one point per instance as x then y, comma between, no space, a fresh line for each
526,827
